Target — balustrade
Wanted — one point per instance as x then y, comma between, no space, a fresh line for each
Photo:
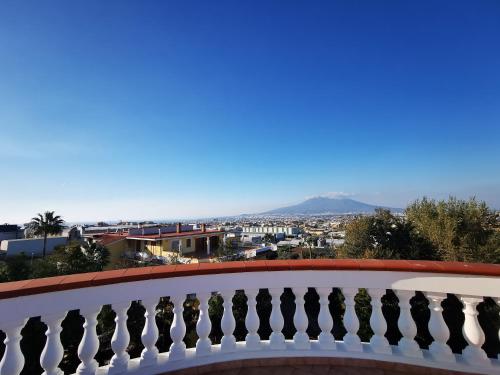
89,301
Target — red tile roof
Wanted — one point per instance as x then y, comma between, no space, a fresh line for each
108,239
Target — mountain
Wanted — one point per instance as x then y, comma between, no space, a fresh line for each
323,205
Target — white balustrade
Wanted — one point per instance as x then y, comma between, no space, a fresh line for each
276,321
228,323
252,321
89,345
178,329
120,339
203,326
149,334
300,339
52,311
473,332
53,350
325,320
438,329
351,322
378,342
13,360
407,345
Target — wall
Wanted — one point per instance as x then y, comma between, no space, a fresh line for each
31,246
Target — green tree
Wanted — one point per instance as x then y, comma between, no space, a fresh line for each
460,230
384,236
97,255
46,224
269,238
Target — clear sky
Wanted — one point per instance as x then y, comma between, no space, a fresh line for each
173,109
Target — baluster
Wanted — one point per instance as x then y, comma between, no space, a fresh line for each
13,360
149,334
228,324
177,329
252,321
276,321
203,326
378,342
438,329
351,322
325,321
498,303
120,339
53,351
89,345
473,333
300,339
407,345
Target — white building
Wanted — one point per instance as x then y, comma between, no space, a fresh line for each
278,232
31,246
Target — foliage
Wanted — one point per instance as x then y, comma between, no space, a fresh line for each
384,236
269,238
459,230
46,224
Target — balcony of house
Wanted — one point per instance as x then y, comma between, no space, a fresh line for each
302,315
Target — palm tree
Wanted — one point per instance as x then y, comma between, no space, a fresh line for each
46,224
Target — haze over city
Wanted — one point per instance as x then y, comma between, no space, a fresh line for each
194,109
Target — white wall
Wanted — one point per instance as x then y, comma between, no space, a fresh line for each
31,245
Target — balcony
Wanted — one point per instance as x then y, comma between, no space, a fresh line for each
51,299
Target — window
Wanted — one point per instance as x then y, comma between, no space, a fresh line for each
188,242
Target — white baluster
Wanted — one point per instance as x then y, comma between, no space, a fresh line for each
228,324
89,345
498,303
149,334
325,321
438,329
407,345
351,322
473,333
53,351
120,339
378,342
177,329
276,321
252,321
203,326
13,360
300,339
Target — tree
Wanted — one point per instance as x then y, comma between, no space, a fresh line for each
75,258
46,224
460,230
97,254
310,241
385,236
269,238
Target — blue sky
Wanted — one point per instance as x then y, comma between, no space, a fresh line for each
172,109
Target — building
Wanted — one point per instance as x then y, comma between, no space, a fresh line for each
282,231
10,232
165,241
32,246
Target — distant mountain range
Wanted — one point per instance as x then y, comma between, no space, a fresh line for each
323,206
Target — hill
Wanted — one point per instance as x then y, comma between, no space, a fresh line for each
323,205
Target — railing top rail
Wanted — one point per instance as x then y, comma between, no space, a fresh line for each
84,280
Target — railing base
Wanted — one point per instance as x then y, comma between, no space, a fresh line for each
216,361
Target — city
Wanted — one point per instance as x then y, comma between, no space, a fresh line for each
249,187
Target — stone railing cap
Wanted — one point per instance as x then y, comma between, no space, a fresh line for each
83,280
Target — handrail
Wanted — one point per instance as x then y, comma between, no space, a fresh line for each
84,280
51,299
